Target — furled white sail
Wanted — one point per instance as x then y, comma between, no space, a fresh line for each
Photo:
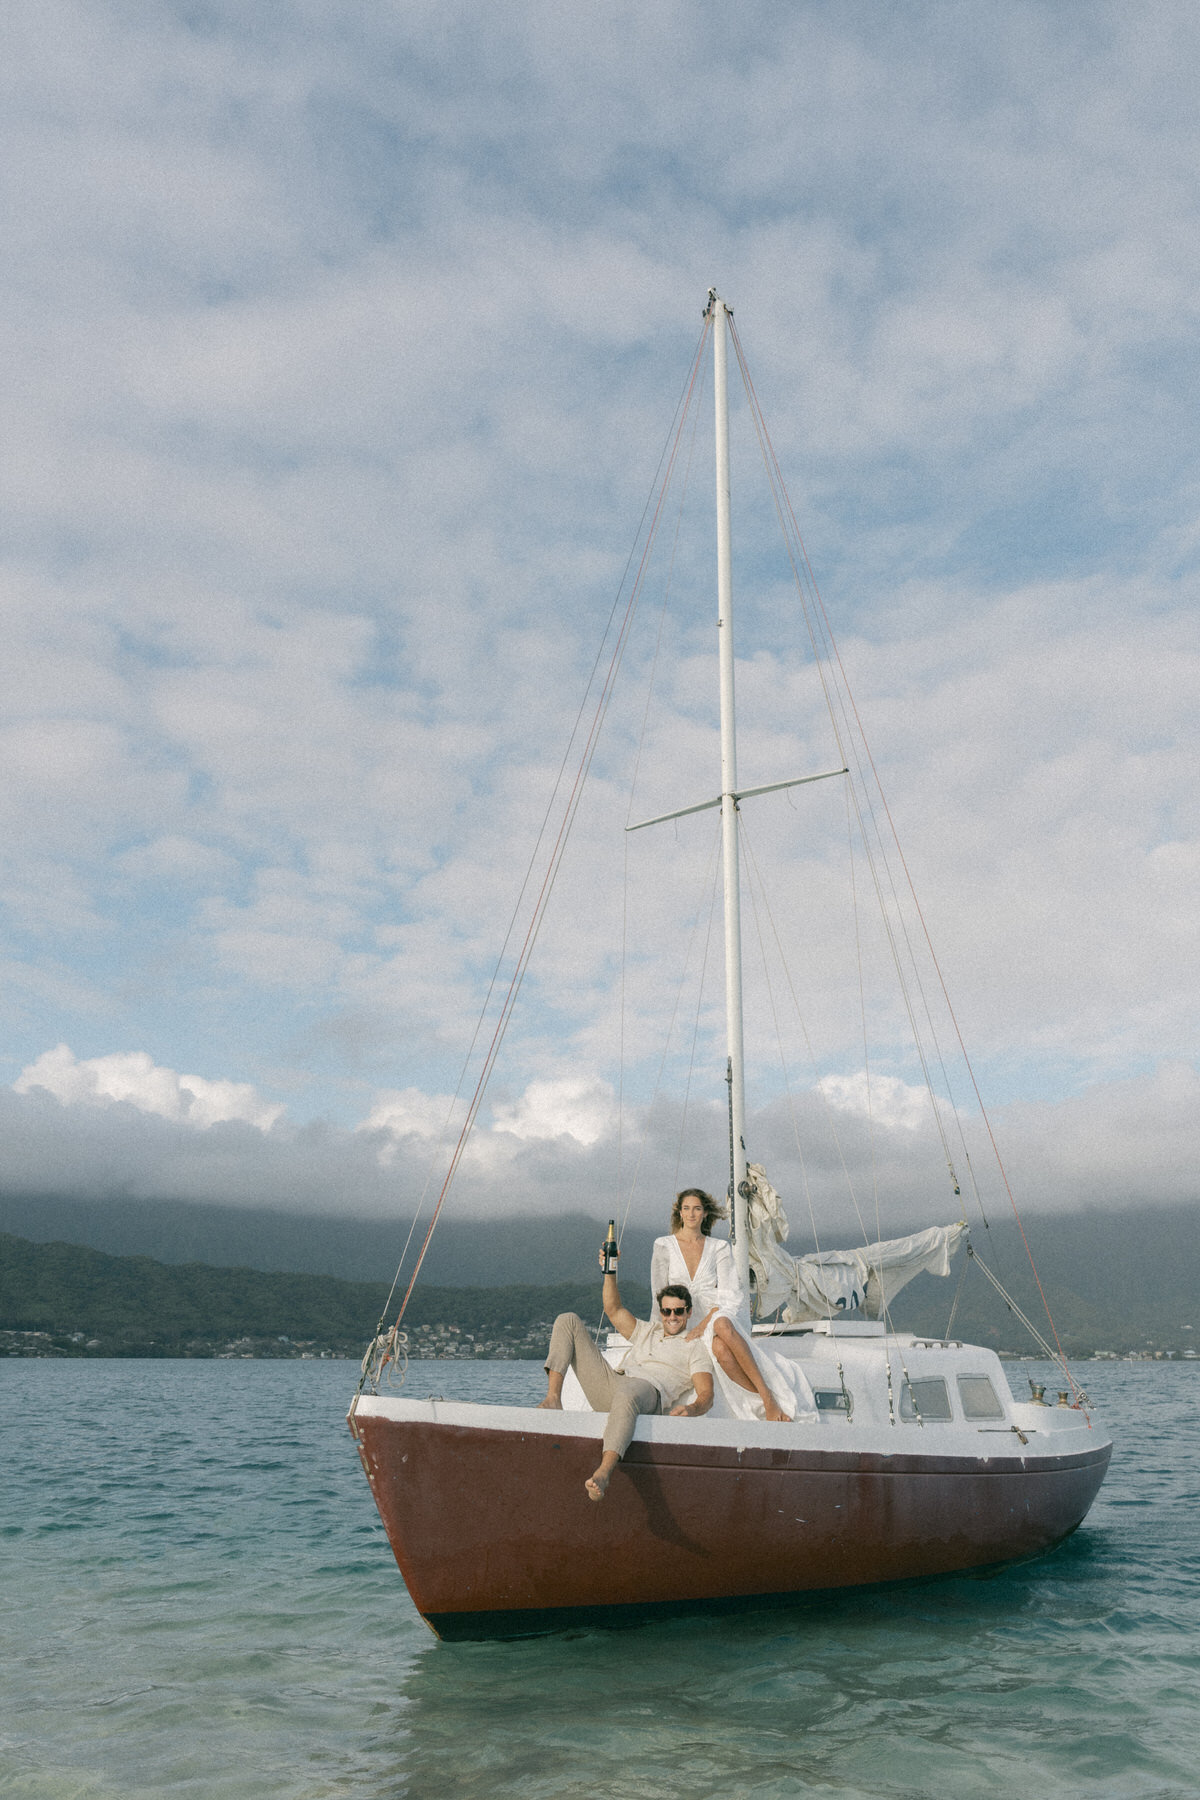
836,1281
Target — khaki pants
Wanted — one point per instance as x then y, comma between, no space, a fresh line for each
623,1397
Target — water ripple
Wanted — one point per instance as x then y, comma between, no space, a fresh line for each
198,1601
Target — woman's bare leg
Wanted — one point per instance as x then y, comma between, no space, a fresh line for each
737,1361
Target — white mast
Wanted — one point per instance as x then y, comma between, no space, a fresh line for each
729,795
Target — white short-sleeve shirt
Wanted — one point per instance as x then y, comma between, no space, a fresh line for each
671,1363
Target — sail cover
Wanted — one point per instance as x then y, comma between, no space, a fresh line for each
835,1281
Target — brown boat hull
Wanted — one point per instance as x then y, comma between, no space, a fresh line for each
495,1536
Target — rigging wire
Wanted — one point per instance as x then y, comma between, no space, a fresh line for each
862,1016
712,885
695,397
714,890
752,866
564,809
848,746
561,811
820,629
758,887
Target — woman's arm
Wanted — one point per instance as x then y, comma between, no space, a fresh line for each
698,1330
731,1295
660,1266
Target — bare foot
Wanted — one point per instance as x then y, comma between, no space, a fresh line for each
596,1486
549,1405
774,1414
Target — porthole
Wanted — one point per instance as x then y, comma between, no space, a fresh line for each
927,1399
978,1398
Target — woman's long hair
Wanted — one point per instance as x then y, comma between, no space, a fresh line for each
712,1209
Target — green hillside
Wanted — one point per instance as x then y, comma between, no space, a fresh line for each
61,1299
1124,1284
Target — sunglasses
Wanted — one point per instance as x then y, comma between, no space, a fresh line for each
673,1312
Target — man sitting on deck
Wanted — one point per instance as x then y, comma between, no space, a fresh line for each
660,1368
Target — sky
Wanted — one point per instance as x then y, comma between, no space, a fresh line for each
339,347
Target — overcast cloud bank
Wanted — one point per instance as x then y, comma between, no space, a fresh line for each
338,354
1118,1145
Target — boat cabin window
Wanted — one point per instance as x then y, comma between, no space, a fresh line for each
836,1400
929,1398
978,1397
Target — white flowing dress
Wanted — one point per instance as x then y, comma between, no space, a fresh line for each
716,1284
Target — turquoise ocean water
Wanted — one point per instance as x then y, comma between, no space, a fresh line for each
198,1600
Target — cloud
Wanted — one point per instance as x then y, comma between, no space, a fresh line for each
410,1115
1115,1144
132,1077
341,354
582,1110
884,1099
120,1126
563,1114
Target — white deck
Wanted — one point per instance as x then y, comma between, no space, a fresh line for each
859,1359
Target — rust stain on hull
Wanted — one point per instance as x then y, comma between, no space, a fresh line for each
494,1534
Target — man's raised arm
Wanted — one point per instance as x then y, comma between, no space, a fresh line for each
621,1317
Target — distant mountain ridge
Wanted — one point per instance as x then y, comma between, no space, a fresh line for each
477,1253
1114,1281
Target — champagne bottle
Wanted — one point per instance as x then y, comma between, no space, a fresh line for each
611,1253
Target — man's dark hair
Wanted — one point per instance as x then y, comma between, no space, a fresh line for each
677,1291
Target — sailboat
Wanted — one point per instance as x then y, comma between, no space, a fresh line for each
914,1459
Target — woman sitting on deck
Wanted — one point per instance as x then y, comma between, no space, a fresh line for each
754,1383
